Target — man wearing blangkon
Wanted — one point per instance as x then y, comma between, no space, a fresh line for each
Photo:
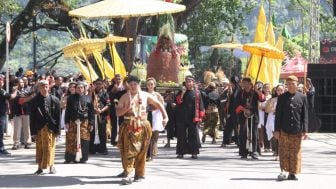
291,125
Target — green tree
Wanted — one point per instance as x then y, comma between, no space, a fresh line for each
53,16
215,21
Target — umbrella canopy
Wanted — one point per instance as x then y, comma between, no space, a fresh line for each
228,46
84,46
264,50
126,9
295,66
116,39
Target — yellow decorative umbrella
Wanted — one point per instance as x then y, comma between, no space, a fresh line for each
230,46
126,9
263,50
82,48
118,67
86,46
116,39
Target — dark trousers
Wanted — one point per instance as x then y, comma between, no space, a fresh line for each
275,145
267,143
231,124
188,141
2,128
152,148
101,147
85,152
85,145
243,151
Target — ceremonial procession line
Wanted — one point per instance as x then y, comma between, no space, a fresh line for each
215,168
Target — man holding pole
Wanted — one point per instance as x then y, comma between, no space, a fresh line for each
248,118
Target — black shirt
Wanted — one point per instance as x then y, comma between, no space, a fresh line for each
79,107
57,91
248,100
291,115
4,96
211,99
114,96
17,107
233,97
103,100
185,112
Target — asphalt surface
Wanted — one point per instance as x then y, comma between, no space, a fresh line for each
216,168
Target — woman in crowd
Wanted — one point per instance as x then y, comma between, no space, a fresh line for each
155,118
70,91
270,109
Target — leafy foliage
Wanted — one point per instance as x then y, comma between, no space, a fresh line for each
215,19
211,22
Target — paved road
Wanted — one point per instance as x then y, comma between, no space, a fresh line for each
216,168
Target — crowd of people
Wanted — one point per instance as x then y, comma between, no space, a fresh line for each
257,118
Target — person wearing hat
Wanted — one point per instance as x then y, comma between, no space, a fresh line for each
135,131
29,74
211,104
4,97
79,109
45,126
291,126
189,114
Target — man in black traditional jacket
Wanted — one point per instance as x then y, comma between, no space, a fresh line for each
189,113
232,119
291,125
101,105
79,108
248,118
44,124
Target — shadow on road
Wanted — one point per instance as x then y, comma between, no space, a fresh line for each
33,181
254,179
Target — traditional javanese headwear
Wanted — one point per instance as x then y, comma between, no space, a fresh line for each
80,83
43,82
189,77
133,78
292,78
